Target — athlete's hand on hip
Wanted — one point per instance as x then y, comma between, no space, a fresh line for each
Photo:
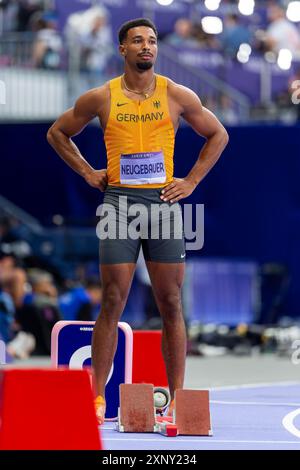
178,189
97,179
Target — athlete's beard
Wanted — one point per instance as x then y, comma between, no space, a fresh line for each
144,65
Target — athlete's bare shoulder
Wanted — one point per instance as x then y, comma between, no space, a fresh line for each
183,96
93,101
190,108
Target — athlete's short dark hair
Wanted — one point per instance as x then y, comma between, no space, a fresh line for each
133,24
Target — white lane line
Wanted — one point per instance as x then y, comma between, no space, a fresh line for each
203,440
255,403
254,385
288,422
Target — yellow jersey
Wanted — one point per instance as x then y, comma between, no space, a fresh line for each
139,138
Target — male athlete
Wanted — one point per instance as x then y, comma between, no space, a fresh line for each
139,113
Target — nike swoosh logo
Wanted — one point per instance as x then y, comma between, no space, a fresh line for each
121,104
182,256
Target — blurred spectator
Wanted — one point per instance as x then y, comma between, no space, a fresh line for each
210,102
10,10
205,40
288,109
7,308
82,303
12,290
13,249
43,285
94,291
21,346
73,302
89,38
40,311
26,10
225,111
182,34
12,230
7,311
295,92
47,48
96,43
234,34
286,112
281,33
12,278
16,285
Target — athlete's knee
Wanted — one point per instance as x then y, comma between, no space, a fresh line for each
170,304
114,299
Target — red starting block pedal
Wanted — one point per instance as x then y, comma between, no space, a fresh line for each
167,429
165,426
192,415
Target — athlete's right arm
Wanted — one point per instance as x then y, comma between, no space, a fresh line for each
71,123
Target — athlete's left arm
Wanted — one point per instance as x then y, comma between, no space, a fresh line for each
207,125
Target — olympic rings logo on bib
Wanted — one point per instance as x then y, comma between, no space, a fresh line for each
142,168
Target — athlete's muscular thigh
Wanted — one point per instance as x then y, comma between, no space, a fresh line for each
116,282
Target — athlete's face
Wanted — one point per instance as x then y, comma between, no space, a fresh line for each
140,47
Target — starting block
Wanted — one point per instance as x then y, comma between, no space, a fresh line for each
191,412
137,412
